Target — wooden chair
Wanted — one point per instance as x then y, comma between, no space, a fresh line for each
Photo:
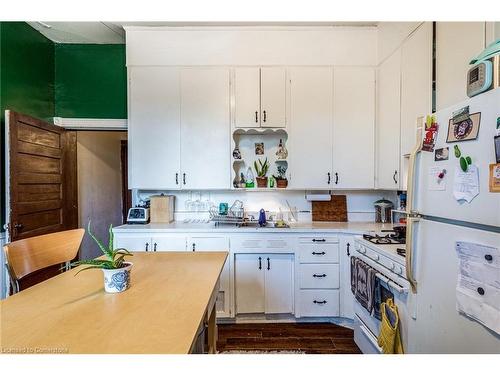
35,253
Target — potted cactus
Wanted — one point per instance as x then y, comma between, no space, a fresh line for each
281,180
261,170
116,270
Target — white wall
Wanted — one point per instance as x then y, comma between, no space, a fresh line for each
251,46
391,35
359,203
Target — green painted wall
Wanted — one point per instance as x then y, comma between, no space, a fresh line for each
26,80
91,81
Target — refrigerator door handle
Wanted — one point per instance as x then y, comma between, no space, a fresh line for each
409,252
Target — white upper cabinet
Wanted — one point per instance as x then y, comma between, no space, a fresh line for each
205,128
260,97
416,83
388,122
456,44
273,97
247,97
154,128
311,116
353,128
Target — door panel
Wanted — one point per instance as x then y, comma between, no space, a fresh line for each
205,128
249,283
42,177
346,296
154,128
354,128
279,283
132,242
168,243
388,122
311,127
247,97
273,97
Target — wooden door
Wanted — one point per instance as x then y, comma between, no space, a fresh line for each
154,128
310,142
249,283
43,195
205,128
273,97
278,283
353,128
388,122
247,97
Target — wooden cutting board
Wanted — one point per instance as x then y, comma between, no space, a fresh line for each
333,210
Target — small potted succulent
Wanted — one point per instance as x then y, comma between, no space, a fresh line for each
261,170
116,270
281,180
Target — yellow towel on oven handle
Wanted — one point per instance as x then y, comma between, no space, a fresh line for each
389,338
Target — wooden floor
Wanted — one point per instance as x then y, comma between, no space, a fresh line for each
309,338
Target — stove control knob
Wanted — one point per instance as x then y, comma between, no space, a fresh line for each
375,257
391,265
362,249
398,270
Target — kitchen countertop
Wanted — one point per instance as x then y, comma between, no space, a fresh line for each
301,227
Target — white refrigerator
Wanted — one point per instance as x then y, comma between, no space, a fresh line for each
436,222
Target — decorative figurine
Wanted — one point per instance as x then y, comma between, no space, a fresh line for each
242,181
237,153
282,152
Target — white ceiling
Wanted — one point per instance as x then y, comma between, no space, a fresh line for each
113,32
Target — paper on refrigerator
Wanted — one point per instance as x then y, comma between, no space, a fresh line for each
466,184
478,285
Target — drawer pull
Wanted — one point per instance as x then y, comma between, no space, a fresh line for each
315,253
322,275
322,240
320,302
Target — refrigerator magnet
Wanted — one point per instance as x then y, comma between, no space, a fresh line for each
495,178
441,154
497,148
431,129
465,130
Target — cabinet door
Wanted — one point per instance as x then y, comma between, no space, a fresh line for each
310,141
416,85
346,296
388,122
154,128
273,97
132,242
216,244
249,283
247,97
205,128
278,283
168,243
354,128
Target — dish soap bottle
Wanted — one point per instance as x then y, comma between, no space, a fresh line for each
242,181
250,178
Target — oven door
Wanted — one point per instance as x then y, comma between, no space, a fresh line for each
367,326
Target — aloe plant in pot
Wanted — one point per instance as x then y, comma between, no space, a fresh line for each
261,170
116,270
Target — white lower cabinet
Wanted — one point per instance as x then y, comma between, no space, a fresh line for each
132,241
214,243
346,297
168,243
263,283
318,277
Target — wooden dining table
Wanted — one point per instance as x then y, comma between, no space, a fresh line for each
171,298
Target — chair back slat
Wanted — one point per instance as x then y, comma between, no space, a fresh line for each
35,253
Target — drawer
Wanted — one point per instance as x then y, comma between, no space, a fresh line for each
319,252
260,244
319,303
319,276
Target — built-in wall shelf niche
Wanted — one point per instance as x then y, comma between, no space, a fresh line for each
250,145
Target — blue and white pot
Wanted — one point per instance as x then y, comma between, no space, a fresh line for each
117,280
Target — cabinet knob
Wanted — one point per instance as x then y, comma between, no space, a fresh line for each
480,291
322,275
